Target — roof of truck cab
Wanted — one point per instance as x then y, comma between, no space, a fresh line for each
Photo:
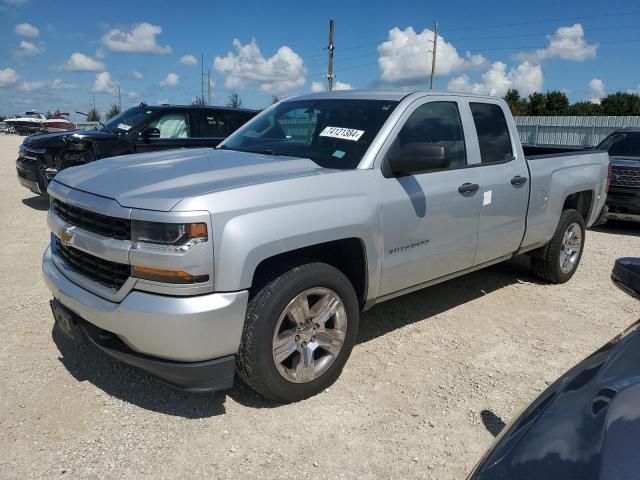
380,94
168,106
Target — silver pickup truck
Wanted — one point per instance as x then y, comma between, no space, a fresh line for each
257,257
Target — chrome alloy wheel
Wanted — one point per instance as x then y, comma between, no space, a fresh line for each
309,335
570,248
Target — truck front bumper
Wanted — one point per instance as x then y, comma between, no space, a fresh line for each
624,204
28,176
189,342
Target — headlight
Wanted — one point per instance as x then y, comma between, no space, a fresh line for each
184,235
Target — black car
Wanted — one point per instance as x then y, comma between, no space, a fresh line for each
136,130
586,425
623,198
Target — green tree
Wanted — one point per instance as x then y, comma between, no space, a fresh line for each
537,104
48,114
518,105
198,101
93,115
113,111
234,100
584,109
621,103
556,103
275,98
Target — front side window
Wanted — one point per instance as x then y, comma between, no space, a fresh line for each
493,133
334,133
437,123
131,118
172,125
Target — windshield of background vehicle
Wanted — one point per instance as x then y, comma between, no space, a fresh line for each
334,133
622,145
125,121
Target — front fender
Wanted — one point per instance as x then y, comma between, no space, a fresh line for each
247,239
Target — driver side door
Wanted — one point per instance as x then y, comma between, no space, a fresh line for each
430,220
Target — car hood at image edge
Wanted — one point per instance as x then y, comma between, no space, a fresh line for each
159,180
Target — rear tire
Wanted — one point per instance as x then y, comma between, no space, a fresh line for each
300,328
558,260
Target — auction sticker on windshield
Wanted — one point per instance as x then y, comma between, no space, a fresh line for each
342,133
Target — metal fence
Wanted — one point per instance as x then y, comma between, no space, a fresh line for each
584,131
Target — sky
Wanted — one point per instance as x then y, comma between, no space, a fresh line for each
62,55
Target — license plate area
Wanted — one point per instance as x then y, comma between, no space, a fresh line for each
65,321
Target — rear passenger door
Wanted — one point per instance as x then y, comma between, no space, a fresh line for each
504,180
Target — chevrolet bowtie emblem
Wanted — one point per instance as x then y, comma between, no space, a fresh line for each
65,236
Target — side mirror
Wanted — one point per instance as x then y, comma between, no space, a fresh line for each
626,275
149,133
416,158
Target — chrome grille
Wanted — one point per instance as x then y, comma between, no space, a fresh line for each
621,177
118,228
108,273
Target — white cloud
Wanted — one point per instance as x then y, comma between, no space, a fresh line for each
404,57
189,60
59,84
104,84
31,86
28,49
171,80
342,86
596,91
278,74
567,43
14,3
526,78
320,87
136,75
7,77
132,95
27,30
140,39
79,62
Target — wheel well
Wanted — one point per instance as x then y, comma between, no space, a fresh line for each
347,255
580,201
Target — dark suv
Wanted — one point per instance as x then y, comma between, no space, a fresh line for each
137,130
623,198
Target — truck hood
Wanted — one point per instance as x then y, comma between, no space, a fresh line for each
159,180
59,139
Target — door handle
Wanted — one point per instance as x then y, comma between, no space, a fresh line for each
468,188
518,181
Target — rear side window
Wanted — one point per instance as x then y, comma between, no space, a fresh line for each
493,133
214,124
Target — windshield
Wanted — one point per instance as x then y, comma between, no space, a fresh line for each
334,133
125,121
622,145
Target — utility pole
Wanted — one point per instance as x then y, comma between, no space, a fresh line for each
119,99
202,79
209,86
331,47
433,57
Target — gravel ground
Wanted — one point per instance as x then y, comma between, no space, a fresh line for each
433,377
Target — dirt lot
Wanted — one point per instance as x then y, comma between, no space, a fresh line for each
433,375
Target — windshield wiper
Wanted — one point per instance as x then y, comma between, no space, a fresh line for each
100,122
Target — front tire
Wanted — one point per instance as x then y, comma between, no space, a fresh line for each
558,260
299,331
